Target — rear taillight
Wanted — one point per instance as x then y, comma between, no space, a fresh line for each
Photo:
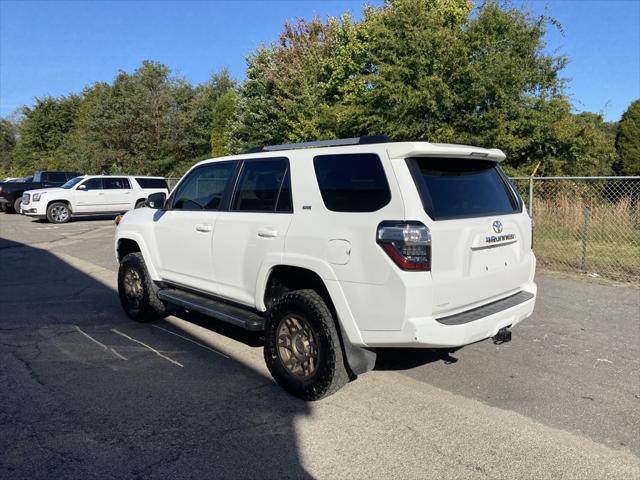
408,244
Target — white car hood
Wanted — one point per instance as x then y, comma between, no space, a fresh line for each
43,190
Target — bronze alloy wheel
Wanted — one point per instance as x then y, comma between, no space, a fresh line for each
297,347
133,288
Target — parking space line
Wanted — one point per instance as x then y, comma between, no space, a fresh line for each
104,347
147,346
190,340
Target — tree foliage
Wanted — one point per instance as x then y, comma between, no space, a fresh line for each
628,140
438,70
7,143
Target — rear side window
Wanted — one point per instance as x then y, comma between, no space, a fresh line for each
152,183
263,185
352,182
462,188
110,183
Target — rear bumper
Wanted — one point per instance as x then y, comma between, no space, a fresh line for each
429,332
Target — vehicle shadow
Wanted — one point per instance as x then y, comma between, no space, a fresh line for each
408,358
88,218
81,392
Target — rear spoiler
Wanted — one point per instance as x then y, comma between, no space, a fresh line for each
426,149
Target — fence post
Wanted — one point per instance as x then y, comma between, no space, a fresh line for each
586,213
533,174
531,197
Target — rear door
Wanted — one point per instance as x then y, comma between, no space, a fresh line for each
118,194
253,230
481,238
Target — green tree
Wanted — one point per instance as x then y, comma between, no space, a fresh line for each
628,140
7,144
42,133
223,113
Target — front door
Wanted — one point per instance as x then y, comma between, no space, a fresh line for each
253,231
90,197
184,231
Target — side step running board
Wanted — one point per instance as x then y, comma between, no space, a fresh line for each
212,308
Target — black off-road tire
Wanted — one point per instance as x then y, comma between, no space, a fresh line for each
330,374
141,203
16,205
149,307
52,212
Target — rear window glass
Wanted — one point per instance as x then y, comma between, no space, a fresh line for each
352,182
110,183
260,186
462,188
152,182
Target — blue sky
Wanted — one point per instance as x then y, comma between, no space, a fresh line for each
55,48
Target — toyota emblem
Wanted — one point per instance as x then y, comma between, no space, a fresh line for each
497,226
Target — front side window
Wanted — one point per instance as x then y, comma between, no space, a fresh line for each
204,188
353,182
262,186
93,184
112,183
462,188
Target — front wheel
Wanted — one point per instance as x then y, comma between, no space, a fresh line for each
302,347
141,203
17,205
58,212
137,291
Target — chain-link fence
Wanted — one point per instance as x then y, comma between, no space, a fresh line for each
586,224
583,224
172,181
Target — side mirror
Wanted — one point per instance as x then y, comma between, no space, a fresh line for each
81,187
156,200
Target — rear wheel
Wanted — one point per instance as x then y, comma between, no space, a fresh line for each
140,203
302,348
137,291
16,205
58,212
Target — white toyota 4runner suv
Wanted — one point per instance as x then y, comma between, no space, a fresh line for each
335,249
91,195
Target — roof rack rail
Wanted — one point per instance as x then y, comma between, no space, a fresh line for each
339,142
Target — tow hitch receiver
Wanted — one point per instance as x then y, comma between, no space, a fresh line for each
503,336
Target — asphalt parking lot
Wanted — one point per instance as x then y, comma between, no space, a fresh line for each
85,392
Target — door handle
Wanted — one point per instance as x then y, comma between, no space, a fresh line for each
204,227
267,232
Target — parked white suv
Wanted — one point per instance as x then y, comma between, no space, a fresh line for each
336,249
91,195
